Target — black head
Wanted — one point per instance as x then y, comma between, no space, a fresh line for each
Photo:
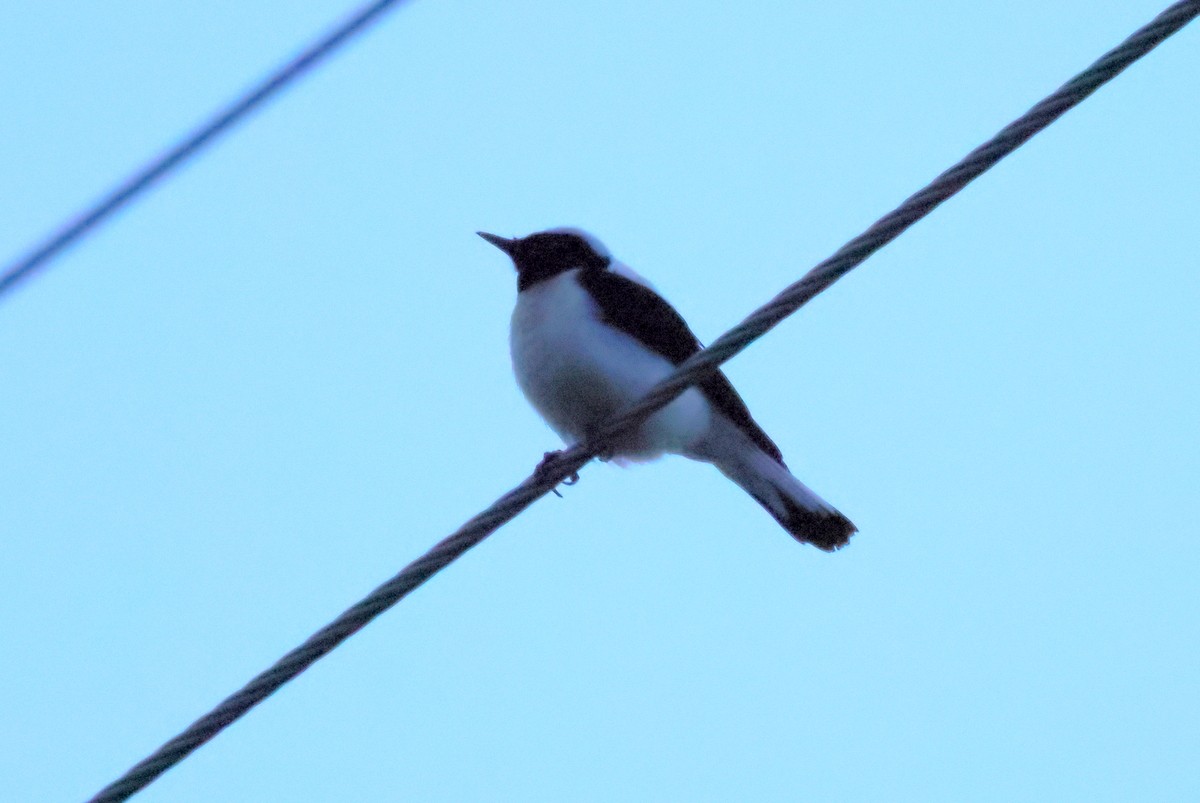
548,253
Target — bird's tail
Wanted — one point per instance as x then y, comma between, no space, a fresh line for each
801,512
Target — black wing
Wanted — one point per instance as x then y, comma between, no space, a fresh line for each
645,316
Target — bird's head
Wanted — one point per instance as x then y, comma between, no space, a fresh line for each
548,253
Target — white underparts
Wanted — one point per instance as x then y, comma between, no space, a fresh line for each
577,372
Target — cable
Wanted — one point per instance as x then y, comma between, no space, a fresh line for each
190,145
762,320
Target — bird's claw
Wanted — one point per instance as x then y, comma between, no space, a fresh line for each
543,467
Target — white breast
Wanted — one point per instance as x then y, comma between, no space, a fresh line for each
577,372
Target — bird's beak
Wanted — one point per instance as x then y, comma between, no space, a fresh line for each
504,244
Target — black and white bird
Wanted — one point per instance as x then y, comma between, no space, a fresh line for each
590,337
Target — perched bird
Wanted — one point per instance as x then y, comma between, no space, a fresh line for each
590,337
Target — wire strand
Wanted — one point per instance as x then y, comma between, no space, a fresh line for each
190,145
761,321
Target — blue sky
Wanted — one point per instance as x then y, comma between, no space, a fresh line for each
280,377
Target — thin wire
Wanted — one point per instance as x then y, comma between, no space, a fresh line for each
190,145
762,320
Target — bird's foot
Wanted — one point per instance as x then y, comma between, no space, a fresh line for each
543,467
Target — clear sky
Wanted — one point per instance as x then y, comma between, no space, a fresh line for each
283,375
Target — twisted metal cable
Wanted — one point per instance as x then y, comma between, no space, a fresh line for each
190,145
761,321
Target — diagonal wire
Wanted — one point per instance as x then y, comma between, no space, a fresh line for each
191,144
762,320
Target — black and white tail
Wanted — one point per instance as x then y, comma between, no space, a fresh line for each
801,512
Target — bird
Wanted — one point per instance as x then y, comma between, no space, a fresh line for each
589,337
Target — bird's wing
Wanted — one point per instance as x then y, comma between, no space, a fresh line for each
646,316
